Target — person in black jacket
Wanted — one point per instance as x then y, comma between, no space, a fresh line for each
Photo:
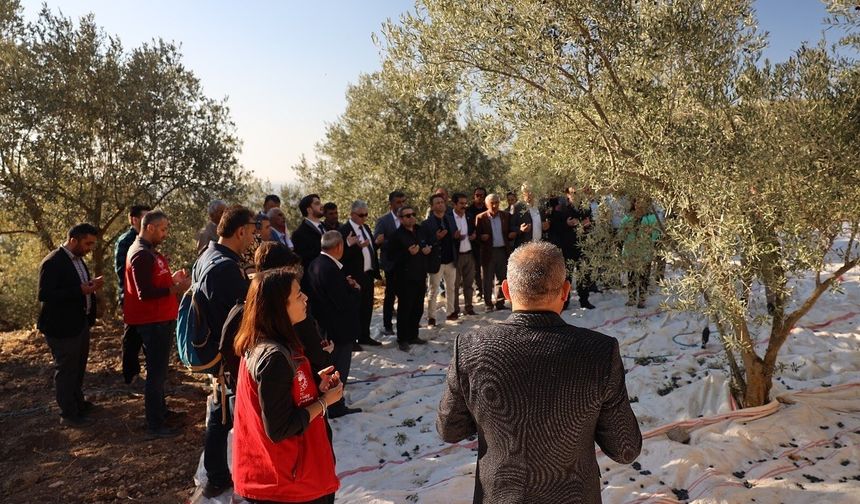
334,299
306,237
537,422
439,229
408,251
360,262
67,293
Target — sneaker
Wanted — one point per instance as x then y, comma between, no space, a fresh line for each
162,433
417,341
211,490
431,322
76,422
453,316
402,345
470,311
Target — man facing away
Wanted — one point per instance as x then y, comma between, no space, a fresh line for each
151,307
209,232
539,393
223,286
67,293
131,343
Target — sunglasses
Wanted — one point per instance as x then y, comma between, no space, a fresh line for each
407,216
361,215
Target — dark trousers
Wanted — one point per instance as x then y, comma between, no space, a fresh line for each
365,307
476,257
70,364
215,444
326,499
410,308
583,279
637,284
131,345
341,359
388,300
497,267
157,339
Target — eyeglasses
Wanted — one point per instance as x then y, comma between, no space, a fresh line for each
361,215
257,224
407,216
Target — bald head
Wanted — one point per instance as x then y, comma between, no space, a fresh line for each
537,278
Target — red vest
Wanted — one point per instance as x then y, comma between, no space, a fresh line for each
297,469
138,311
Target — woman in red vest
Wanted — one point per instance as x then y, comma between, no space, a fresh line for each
281,450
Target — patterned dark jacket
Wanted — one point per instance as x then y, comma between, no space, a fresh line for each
538,393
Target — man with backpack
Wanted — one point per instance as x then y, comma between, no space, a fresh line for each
218,283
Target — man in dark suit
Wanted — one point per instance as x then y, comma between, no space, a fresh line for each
529,221
67,293
334,299
511,383
306,237
409,250
385,227
478,206
360,262
493,228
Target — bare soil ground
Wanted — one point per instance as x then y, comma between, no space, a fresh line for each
110,461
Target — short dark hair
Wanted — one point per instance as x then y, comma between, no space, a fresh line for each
510,193
479,188
395,194
329,206
151,218
138,210
403,209
272,197
233,219
78,231
270,255
458,196
434,196
306,202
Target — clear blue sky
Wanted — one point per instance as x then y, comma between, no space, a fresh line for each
285,65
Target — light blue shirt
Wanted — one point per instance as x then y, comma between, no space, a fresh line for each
498,237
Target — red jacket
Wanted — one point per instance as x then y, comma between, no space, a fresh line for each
148,279
296,469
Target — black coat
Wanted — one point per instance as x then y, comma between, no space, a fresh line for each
334,304
306,242
408,267
63,303
353,258
538,393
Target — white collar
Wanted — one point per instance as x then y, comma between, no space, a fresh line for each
338,263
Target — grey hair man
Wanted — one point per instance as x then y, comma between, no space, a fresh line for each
360,262
334,299
518,373
209,232
280,232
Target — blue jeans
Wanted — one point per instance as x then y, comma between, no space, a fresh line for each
215,445
157,341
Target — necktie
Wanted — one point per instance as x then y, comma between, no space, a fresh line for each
322,228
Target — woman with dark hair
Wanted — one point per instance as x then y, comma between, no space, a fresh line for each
281,451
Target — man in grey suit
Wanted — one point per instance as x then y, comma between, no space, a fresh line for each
385,227
539,393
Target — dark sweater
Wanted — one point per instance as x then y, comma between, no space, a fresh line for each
538,393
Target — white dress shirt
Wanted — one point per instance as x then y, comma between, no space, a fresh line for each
365,251
463,227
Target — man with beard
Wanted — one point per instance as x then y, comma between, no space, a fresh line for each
306,237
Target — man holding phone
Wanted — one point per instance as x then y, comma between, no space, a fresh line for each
68,296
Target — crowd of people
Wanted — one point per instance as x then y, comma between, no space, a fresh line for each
288,309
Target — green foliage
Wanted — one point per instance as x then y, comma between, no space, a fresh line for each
88,128
756,164
387,140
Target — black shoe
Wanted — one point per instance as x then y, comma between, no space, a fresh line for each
371,342
586,305
470,311
453,316
76,422
343,412
357,348
640,304
418,341
594,289
403,346
388,331
489,308
85,408
211,490
431,322
162,433
500,305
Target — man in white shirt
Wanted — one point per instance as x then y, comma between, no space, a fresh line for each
464,261
360,263
530,222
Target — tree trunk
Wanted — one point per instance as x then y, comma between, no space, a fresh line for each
759,380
